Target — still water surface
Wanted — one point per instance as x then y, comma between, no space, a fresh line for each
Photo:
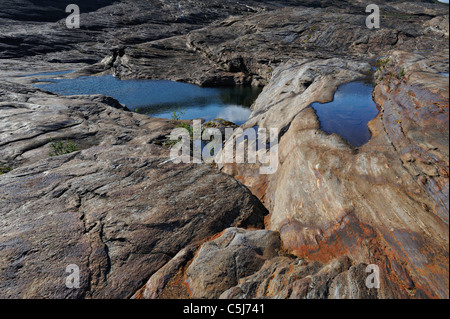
161,98
349,113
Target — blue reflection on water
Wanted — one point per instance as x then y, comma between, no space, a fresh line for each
160,98
349,113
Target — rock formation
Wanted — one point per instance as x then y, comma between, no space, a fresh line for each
139,226
117,212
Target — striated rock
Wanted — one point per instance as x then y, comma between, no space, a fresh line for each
236,254
294,86
332,182
31,119
119,209
274,280
159,283
210,42
119,213
132,221
247,49
286,278
415,118
351,284
32,30
438,25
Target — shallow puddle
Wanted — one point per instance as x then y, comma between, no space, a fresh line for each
349,113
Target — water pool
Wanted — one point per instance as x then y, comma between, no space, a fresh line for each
161,98
349,113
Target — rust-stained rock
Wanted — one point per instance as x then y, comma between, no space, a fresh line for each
384,203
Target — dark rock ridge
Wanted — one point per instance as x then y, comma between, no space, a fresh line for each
245,50
234,42
29,28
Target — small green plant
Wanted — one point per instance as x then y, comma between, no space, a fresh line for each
5,169
172,143
187,127
210,124
402,74
59,148
177,115
382,63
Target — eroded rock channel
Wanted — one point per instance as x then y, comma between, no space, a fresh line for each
369,189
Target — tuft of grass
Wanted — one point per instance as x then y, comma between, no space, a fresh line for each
172,143
187,127
177,115
5,169
401,74
381,63
397,15
210,124
59,148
